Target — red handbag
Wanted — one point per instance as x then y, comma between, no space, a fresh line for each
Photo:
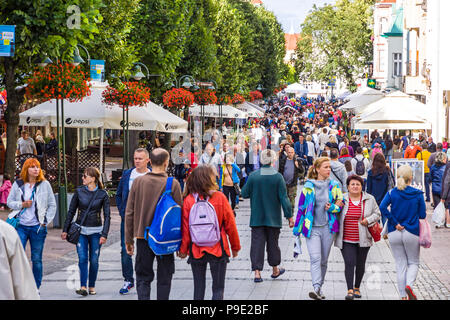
375,230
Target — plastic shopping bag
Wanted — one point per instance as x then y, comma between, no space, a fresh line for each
384,232
425,233
297,246
439,214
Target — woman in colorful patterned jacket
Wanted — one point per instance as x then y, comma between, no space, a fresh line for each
320,202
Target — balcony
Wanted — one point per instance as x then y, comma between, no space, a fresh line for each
415,85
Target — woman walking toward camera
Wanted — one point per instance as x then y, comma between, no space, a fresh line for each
200,186
89,199
354,239
407,207
317,219
33,202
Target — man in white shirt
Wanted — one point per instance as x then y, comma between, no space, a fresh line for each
141,160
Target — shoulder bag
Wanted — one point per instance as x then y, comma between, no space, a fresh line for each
376,229
73,234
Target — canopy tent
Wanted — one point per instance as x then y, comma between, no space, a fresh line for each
212,111
396,110
254,105
344,95
251,111
92,113
360,92
357,103
296,88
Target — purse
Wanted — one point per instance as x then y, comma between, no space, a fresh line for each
235,185
375,230
14,221
74,232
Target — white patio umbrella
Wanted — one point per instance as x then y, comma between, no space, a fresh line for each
359,101
92,113
212,111
296,88
251,111
396,110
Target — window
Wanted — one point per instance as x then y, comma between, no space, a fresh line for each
397,65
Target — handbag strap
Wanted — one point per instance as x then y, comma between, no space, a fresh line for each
32,198
83,219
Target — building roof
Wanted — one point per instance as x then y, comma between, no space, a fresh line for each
291,40
397,26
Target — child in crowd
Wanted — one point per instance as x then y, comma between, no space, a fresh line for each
4,191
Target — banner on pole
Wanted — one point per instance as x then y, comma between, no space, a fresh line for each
97,70
7,40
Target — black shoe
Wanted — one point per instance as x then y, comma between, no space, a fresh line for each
82,292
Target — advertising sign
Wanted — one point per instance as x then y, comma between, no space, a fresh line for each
7,40
417,166
98,70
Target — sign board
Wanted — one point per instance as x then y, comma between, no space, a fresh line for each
332,81
371,83
97,70
7,40
417,166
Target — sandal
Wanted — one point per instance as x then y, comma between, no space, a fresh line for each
82,292
92,292
350,295
280,272
357,293
257,280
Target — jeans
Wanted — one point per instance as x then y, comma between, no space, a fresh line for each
230,193
88,249
127,262
181,181
36,235
427,185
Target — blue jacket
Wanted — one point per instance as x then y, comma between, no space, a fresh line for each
378,185
122,191
407,207
436,174
298,149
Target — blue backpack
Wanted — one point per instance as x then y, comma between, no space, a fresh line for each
164,234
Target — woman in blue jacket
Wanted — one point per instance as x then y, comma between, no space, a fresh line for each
407,207
228,176
436,175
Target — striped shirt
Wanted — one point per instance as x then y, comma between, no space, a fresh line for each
351,222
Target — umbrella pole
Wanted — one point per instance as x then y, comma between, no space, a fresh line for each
101,151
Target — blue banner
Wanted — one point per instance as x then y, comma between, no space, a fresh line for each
7,40
98,70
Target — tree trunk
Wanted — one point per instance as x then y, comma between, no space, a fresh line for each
167,141
15,99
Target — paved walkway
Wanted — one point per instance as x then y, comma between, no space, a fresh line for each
379,282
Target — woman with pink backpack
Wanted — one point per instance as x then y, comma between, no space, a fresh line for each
207,225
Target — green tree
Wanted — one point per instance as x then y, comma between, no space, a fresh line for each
335,41
42,27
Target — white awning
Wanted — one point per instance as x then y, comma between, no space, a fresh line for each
359,101
296,88
251,111
213,111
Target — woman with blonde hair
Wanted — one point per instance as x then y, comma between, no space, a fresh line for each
407,206
33,203
317,219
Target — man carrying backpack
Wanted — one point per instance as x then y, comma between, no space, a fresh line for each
360,165
267,192
142,202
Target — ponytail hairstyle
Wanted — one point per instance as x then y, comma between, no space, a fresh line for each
404,177
312,172
95,173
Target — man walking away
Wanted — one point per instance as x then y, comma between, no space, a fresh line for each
292,169
267,192
142,200
338,171
141,159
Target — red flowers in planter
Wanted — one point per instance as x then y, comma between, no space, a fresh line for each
178,98
237,99
131,94
205,97
255,95
58,81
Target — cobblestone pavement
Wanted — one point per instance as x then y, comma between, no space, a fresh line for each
379,281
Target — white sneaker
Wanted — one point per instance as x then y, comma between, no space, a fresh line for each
315,294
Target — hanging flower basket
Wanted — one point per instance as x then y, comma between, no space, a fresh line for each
178,98
224,100
255,95
58,81
237,99
205,97
131,94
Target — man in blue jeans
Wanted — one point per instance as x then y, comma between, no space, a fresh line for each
141,160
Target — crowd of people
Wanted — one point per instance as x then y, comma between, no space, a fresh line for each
344,179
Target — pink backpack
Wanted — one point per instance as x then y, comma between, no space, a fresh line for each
203,223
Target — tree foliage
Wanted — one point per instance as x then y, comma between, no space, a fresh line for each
335,41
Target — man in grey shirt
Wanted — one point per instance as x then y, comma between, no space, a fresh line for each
25,144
